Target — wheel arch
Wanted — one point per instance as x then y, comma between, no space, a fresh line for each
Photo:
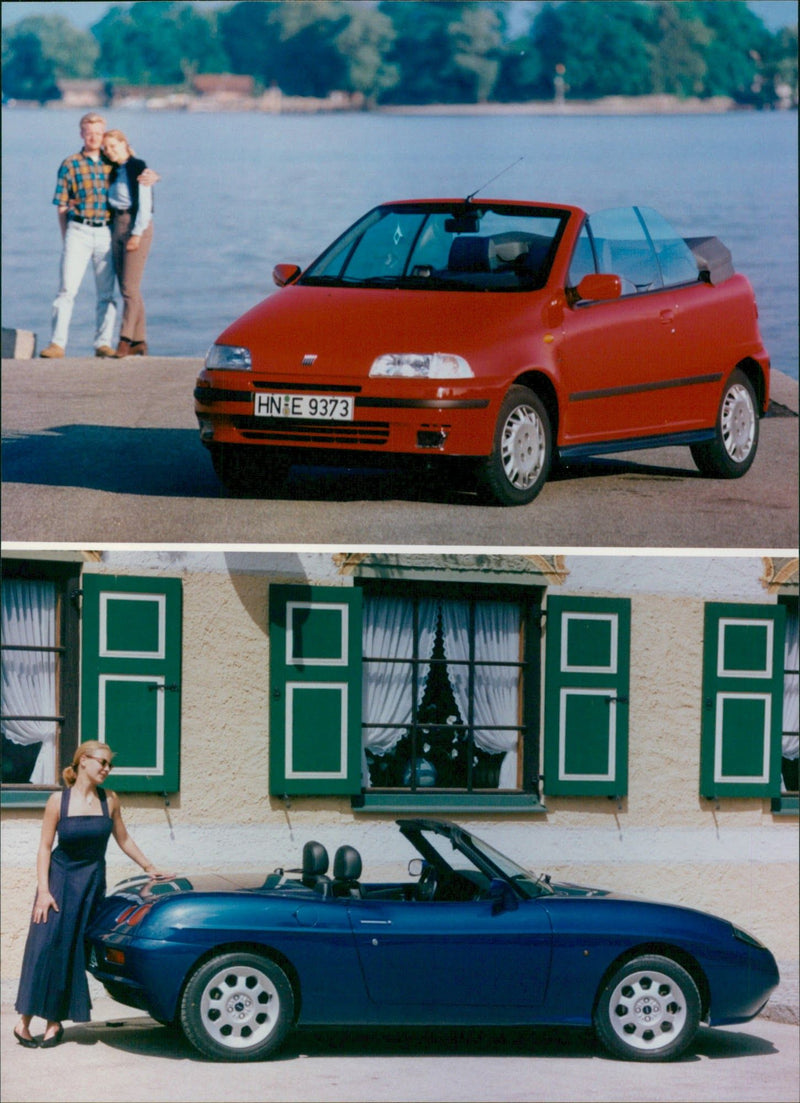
755,373
246,947
662,949
542,385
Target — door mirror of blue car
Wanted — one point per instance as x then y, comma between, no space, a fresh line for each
503,897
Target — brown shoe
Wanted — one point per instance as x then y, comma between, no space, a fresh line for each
123,348
104,351
52,352
139,348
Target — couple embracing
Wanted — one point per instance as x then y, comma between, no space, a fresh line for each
105,212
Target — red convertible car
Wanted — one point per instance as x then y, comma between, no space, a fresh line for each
495,336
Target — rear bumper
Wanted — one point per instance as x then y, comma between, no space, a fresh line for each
151,977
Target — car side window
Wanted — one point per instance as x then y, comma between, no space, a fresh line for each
623,248
675,258
582,263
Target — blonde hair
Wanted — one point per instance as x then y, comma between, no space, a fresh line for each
70,773
120,137
92,117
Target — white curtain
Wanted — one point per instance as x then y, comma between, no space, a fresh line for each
29,677
791,740
387,686
495,688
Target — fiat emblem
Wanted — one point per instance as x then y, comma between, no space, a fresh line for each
309,359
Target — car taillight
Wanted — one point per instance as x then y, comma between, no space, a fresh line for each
138,914
115,957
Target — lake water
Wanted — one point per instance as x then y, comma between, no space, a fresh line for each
241,192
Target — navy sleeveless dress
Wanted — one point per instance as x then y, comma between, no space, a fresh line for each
53,982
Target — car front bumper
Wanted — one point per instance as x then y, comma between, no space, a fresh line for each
453,420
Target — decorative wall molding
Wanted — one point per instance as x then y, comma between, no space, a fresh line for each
550,569
780,574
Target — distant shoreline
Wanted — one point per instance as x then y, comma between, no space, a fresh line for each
339,104
607,105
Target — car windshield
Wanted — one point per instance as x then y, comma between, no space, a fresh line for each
469,247
464,852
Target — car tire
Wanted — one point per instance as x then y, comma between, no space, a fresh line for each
249,470
519,463
237,1007
649,1010
732,451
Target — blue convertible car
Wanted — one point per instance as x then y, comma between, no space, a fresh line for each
470,938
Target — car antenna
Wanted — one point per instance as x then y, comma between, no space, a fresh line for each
508,168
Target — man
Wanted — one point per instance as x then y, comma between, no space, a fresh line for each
82,199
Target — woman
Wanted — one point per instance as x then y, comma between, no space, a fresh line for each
131,205
71,882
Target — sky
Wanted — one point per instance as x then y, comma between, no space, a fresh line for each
83,13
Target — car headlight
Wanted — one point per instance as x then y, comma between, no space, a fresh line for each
231,357
745,936
412,365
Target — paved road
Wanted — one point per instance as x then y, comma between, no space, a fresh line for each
125,1056
97,451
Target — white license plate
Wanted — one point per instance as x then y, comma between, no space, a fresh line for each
321,407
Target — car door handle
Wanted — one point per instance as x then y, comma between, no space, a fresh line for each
376,922
667,317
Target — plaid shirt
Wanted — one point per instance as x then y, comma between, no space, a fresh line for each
82,185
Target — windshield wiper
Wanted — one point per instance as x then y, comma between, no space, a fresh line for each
376,281
322,281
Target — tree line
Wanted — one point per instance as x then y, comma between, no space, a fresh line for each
416,51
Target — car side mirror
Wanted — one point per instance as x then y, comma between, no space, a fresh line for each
598,286
415,867
502,896
285,273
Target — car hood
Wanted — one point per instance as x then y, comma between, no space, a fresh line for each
342,330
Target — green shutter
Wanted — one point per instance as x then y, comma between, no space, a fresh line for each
587,676
315,690
740,752
131,677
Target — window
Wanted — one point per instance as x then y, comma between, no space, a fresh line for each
428,246
582,263
116,641
622,247
638,245
445,689
39,671
743,694
675,258
406,694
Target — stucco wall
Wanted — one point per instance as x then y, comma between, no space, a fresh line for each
663,840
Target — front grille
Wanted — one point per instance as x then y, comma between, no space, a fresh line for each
279,431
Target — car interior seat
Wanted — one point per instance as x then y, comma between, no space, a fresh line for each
472,254
346,872
315,867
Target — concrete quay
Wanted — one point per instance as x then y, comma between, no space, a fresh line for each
107,451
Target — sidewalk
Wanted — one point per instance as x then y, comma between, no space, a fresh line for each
96,452
125,1056
784,1004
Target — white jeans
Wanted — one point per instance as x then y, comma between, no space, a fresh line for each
81,244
